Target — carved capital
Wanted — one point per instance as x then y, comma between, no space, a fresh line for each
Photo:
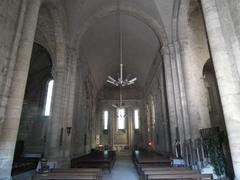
58,71
164,50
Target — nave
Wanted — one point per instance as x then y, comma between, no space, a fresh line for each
84,80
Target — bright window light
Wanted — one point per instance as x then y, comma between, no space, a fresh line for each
49,98
105,119
136,118
121,118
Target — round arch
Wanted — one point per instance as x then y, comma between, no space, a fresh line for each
57,48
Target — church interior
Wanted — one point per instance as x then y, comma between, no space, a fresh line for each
119,89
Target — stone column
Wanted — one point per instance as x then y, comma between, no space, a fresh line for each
55,137
9,43
70,102
177,92
227,78
17,90
182,92
170,92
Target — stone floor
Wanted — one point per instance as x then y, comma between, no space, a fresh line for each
24,176
122,170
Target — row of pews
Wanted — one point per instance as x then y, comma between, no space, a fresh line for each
153,166
73,173
87,167
96,159
154,173
143,158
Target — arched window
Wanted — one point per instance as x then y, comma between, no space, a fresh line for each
153,112
48,101
121,118
105,120
136,119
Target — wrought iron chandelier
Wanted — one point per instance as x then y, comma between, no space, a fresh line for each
120,81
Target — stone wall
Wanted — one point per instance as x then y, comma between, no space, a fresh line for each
156,112
194,54
84,121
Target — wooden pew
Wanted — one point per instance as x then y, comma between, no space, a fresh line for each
89,171
95,160
64,176
77,170
150,159
180,176
156,167
162,170
148,173
84,173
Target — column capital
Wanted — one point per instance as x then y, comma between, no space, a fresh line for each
57,71
164,50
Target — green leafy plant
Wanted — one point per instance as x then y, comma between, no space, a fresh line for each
216,154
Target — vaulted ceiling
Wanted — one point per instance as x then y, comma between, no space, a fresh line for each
93,26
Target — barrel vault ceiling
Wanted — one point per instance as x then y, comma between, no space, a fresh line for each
99,44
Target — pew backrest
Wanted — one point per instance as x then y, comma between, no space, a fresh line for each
97,170
180,176
65,177
87,174
170,172
164,168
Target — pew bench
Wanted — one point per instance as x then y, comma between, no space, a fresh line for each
164,168
67,174
139,167
143,158
161,170
89,171
148,173
95,160
64,177
180,176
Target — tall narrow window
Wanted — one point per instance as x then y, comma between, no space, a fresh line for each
121,118
105,120
136,119
49,98
153,112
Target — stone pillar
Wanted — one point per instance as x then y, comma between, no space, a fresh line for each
163,105
182,92
177,92
56,128
17,90
170,92
9,42
70,102
227,78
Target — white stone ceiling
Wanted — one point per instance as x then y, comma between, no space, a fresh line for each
98,45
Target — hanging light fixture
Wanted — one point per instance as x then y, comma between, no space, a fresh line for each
120,81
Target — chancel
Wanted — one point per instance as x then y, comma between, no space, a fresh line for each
119,89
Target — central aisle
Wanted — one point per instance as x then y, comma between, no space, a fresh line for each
122,170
